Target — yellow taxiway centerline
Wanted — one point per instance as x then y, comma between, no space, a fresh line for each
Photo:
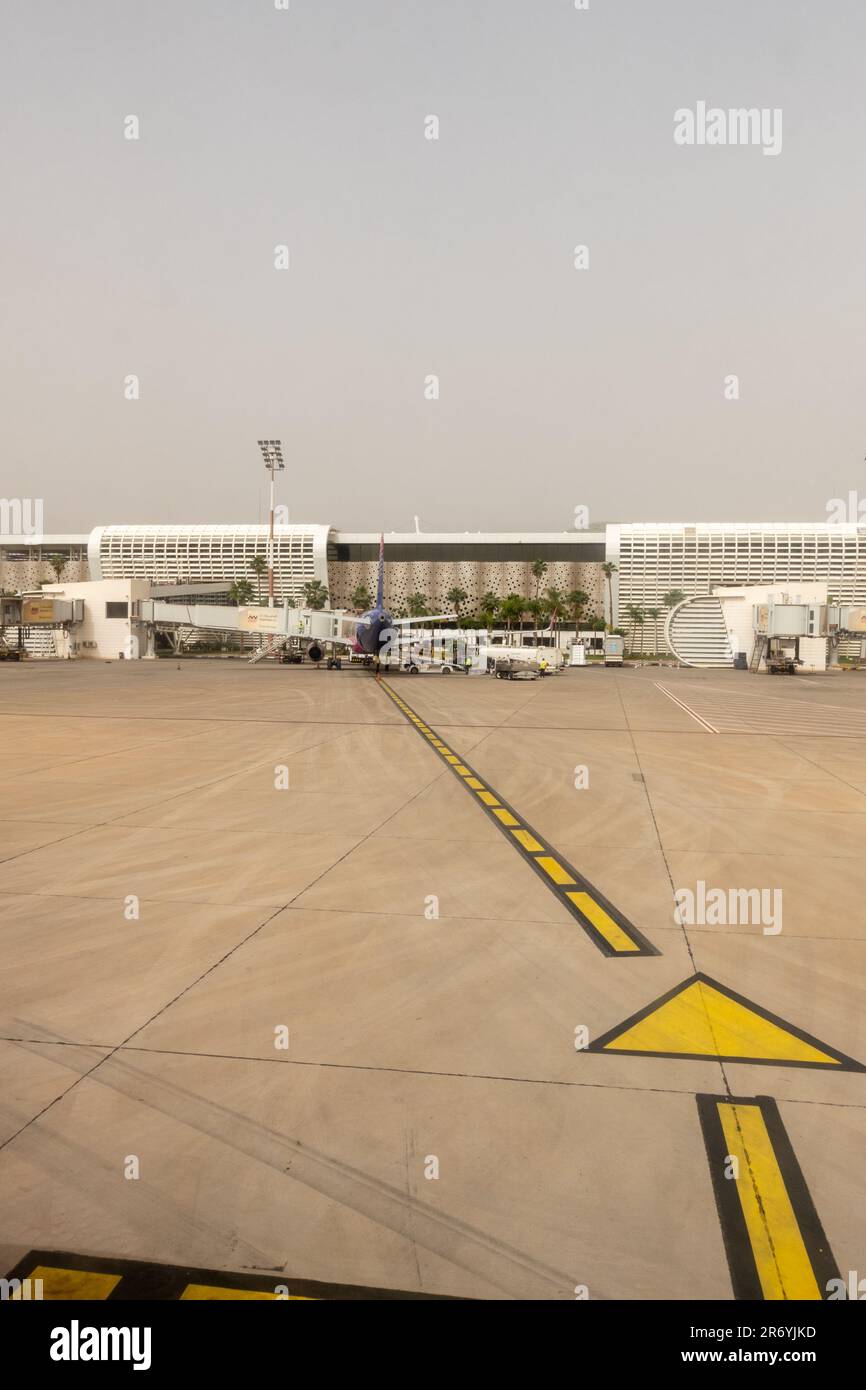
605,925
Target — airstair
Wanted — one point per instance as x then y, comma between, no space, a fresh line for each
758,652
267,650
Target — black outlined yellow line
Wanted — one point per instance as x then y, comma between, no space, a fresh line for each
604,924
774,1240
67,1277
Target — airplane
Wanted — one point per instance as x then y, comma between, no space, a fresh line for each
369,638
375,629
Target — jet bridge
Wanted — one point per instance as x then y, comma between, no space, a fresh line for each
37,624
305,624
779,628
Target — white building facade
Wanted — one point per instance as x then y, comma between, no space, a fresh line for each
211,554
653,558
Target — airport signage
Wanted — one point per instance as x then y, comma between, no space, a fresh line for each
260,619
37,610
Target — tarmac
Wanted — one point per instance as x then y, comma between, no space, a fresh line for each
283,996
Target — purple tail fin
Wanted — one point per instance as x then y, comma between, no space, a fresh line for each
380,587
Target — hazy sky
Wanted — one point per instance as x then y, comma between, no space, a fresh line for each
558,387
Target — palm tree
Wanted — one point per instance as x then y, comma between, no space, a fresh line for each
455,597
417,606
539,570
488,607
577,601
672,598
637,615
609,569
315,593
538,608
487,610
555,601
361,599
259,566
241,592
655,614
58,564
510,609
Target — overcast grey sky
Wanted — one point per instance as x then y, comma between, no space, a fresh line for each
408,257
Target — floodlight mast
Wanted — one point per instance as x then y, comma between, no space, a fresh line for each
272,453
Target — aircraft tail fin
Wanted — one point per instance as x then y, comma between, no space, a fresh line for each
380,585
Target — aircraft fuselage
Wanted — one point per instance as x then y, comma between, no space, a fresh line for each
373,629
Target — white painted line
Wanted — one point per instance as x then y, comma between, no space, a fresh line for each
703,723
764,700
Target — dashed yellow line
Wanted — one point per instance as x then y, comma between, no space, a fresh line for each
554,868
528,841
604,924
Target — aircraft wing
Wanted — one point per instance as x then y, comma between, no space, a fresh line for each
427,618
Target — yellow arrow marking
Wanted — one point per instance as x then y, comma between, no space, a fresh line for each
702,1018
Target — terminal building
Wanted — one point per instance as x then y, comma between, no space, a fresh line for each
651,561
431,565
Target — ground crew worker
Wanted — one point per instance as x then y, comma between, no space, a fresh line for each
542,666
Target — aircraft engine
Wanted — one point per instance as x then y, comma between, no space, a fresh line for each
314,652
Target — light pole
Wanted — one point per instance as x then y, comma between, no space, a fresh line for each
272,453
